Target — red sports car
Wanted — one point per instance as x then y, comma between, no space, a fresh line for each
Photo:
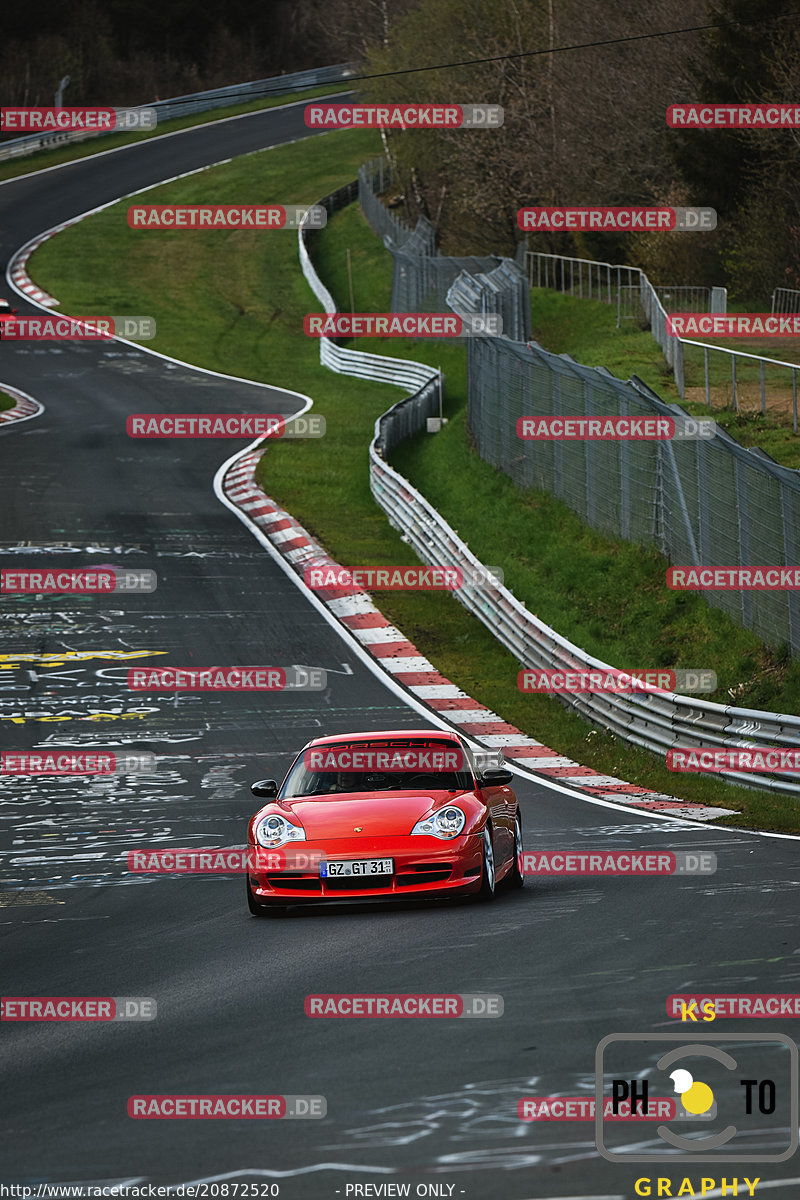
384,815
7,314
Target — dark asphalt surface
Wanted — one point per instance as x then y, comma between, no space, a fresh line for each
426,1102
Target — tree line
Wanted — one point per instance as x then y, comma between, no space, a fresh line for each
582,126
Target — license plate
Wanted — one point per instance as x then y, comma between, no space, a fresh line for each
358,866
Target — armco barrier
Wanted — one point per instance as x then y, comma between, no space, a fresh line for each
397,371
196,102
654,722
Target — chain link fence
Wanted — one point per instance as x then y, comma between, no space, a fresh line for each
421,277
503,290
708,501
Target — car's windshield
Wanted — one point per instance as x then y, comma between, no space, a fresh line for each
379,767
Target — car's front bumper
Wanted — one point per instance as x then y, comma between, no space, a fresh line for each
422,865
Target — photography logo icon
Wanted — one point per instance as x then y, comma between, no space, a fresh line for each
734,1104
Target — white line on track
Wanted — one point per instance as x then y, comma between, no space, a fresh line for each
265,1172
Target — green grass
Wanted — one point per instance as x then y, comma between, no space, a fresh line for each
586,329
235,302
6,402
41,159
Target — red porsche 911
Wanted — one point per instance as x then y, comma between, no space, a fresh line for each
384,815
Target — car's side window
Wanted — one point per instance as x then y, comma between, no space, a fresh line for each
470,759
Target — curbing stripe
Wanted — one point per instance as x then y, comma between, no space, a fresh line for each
400,658
24,409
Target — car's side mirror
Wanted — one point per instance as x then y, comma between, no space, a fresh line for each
495,777
265,788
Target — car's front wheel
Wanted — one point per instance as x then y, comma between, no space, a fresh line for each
261,910
488,884
515,878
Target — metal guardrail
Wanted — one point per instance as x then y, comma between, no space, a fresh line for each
785,301
603,281
397,371
656,722
195,102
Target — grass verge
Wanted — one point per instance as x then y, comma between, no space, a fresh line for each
234,302
6,402
587,330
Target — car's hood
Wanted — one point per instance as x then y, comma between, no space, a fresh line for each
356,814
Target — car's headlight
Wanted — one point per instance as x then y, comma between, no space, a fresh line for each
445,823
277,831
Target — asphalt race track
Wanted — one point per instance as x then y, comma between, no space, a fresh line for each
423,1102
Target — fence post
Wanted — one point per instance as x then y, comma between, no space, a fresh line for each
677,369
588,411
763,388
794,400
733,383
624,463
558,446
742,522
789,556
702,501
705,367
